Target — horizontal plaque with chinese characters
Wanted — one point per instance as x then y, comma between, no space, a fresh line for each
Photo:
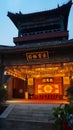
37,55
47,80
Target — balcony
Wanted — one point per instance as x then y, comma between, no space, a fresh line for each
42,36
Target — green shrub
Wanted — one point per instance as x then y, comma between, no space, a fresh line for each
63,116
70,93
3,95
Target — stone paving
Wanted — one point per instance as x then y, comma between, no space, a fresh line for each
27,116
19,125
31,112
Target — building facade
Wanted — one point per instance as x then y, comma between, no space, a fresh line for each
40,65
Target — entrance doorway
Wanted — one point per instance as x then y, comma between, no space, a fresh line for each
18,88
40,81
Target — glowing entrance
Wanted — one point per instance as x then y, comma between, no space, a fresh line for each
39,80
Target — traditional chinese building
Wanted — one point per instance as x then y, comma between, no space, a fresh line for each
40,65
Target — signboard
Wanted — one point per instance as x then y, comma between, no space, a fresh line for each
37,55
48,80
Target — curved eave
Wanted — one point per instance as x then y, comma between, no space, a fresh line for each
24,48
60,11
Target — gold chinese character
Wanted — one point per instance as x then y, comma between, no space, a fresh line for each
47,80
51,80
40,55
44,55
29,57
44,80
34,56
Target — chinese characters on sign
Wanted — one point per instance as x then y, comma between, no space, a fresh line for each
37,55
48,80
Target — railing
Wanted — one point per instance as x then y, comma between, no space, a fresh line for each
41,36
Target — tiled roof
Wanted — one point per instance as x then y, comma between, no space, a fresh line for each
32,46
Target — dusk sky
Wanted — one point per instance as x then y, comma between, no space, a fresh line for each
8,29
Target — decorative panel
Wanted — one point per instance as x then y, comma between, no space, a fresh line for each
49,88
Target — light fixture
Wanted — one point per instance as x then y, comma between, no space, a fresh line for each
5,86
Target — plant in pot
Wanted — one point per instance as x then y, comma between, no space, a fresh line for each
70,93
63,114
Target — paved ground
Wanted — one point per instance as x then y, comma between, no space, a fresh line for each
18,125
6,124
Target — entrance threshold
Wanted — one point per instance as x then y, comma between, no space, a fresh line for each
23,101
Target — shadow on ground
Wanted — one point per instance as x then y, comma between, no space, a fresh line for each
19,125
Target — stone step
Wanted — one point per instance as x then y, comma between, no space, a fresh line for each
29,118
34,113
31,112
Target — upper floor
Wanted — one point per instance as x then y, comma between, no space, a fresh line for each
50,25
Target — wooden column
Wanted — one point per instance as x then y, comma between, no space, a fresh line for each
26,88
1,75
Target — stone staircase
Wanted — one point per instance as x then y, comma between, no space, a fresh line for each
31,112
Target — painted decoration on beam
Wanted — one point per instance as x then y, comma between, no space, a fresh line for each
66,80
48,88
30,81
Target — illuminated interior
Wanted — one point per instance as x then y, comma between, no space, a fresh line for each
49,79
41,70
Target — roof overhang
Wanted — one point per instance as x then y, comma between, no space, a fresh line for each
63,10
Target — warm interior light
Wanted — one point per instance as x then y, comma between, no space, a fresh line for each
71,77
35,71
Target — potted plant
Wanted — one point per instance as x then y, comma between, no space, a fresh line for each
63,116
70,93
